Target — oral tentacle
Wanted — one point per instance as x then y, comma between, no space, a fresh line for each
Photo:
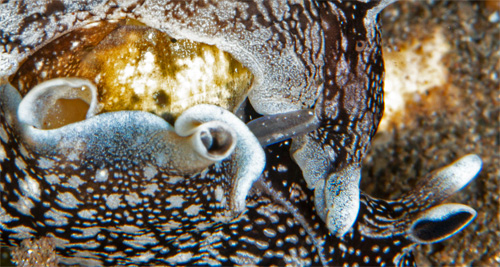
342,199
337,199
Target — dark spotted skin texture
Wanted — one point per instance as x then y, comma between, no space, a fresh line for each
280,226
350,124
111,207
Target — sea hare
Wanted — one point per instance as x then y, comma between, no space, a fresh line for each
204,132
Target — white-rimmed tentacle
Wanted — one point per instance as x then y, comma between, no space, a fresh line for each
191,150
37,103
248,155
431,223
194,149
419,215
440,222
442,183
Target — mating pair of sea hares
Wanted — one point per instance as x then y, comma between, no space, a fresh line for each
203,132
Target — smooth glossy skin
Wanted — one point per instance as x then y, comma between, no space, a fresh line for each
106,190
272,129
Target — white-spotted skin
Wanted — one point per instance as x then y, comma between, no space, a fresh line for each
111,200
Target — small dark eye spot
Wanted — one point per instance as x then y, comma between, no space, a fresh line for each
360,46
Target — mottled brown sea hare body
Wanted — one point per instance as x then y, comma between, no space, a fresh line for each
224,132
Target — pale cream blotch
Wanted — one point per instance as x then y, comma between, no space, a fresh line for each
85,232
193,210
150,189
68,200
20,164
5,217
180,258
113,201
88,214
23,205
74,182
143,257
101,175
133,199
30,188
52,179
130,229
3,155
170,225
4,137
410,71
150,172
46,163
219,193
25,152
175,201
57,217
23,232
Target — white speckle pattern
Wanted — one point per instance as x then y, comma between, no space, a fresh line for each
3,154
101,175
133,199
68,200
106,188
193,210
113,201
175,201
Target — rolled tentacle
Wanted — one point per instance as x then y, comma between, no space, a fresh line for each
248,157
203,135
44,106
431,223
418,215
442,183
193,149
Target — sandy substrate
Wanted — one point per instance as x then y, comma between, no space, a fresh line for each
448,120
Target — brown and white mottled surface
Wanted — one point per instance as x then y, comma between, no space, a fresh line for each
447,122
